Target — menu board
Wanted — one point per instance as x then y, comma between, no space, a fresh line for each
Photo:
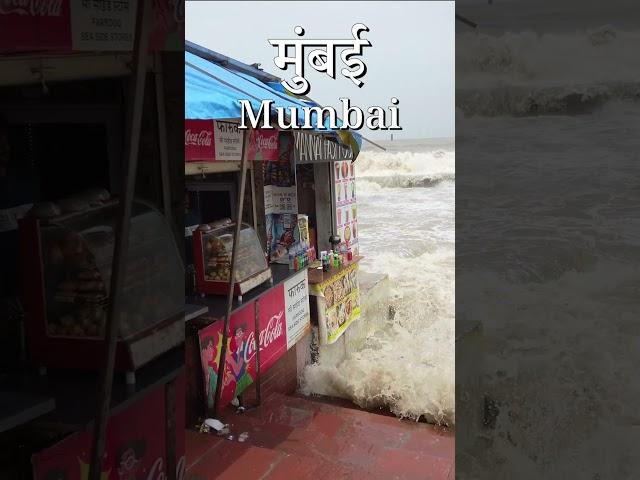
346,211
341,304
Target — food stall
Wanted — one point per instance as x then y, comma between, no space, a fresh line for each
98,274
281,210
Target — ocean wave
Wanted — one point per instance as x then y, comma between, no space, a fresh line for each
528,100
370,183
409,365
404,169
531,74
514,322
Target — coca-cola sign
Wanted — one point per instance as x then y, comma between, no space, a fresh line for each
199,145
282,321
135,444
264,145
200,139
271,333
33,8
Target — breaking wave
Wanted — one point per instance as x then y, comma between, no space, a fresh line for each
404,169
531,74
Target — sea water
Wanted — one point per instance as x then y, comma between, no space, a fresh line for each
553,120
406,219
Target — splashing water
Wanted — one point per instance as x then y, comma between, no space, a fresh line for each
406,216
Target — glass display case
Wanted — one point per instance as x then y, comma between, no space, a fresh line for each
213,246
67,279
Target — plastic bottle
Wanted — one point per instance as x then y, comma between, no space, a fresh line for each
324,257
291,265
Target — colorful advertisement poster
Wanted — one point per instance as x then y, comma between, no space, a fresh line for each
210,141
282,232
279,330
281,202
135,444
263,145
339,303
346,210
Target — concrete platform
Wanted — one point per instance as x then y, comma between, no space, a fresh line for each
298,438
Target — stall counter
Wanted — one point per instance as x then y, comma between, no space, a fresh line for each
337,296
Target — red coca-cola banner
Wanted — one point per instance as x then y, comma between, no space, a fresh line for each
135,444
199,145
240,367
86,25
284,319
35,25
264,145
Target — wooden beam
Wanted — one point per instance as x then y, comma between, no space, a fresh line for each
232,280
118,268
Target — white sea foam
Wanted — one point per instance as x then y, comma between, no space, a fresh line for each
406,231
528,73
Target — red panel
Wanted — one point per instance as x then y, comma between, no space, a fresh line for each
135,444
199,145
241,356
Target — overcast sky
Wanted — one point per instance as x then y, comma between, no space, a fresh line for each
411,57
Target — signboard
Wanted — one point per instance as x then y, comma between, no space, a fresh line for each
310,148
338,305
209,141
279,331
134,445
346,211
103,26
86,25
228,141
264,145
296,302
280,199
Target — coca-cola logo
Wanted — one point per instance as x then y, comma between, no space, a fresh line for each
273,331
157,470
200,139
34,8
266,142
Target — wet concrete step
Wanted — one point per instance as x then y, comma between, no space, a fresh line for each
342,439
225,460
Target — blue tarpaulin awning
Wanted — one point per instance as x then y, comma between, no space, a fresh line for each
213,92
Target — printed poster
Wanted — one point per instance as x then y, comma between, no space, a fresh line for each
296,302
281,203
346,209
340,305
280,199
282,232
103,26
228,141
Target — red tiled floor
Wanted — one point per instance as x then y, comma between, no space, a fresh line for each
197,445
297,438
234,461
438,445
403,464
